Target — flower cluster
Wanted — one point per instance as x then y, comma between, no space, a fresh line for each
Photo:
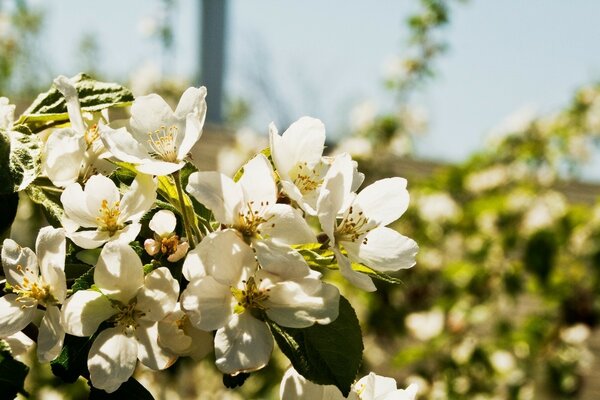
180,262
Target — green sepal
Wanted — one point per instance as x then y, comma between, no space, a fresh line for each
325,354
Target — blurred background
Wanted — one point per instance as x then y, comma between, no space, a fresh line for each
490,109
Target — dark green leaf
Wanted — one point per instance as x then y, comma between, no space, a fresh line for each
50,107
85,281
25,157
49,199
72,360
6,179
10,203
12,373
325,354
131,389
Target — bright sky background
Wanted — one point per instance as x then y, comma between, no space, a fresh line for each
324,57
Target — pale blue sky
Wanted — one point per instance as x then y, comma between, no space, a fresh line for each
322,57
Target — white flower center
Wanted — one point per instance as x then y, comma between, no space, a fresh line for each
250,297
30,293
306,179
354,226
163,143
251,218
109,217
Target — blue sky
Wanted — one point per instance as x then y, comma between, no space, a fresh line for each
324,57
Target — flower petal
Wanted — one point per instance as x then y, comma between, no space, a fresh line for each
149,352
138,199
149,113
51,249
286,224
208,303
62,156
51,335
159,168
159,294
281,260
119,272
99,189
356,278
258,183
18,263
19,343
243,345
66,87
84,311
89,239
74,202
14,315
192,101
383,201
383,249
295,387
218,193
112,359
121,144
163,222
303,303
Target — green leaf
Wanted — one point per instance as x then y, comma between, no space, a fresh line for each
85,281
49,198
131,389
12,373
25,157
72,360
50,107
325,354
10,203
89,256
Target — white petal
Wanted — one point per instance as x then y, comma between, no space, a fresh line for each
383,249
84,311
243,345
303,141
207,303
51,249
149,113
112,359
163,222
62,157
193,131
202,341
19,343
13,315
383,201
375,387
295,387
138,199
218,193
171,336
99,189
74,202
18,263
159,294
286,224
192,101
67,89
358,279
258,183
89,239
127,234
119,272
149,352
223,255
281,260
302,304
159,168
122,145
51,335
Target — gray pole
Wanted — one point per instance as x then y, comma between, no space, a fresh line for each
212,52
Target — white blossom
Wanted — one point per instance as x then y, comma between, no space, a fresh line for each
165,240
35,281
101,207
159,139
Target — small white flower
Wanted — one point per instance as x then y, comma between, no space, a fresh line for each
165,240
134,304
159,138
101,206
250,205
297,155
71,153
362,230
227,287
371,387
35,280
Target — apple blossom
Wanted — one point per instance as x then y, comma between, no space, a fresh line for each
133,304
35,281
101,206
362,230
74,152
228,290
158,139
165,240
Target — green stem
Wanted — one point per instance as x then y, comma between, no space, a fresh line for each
184,214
